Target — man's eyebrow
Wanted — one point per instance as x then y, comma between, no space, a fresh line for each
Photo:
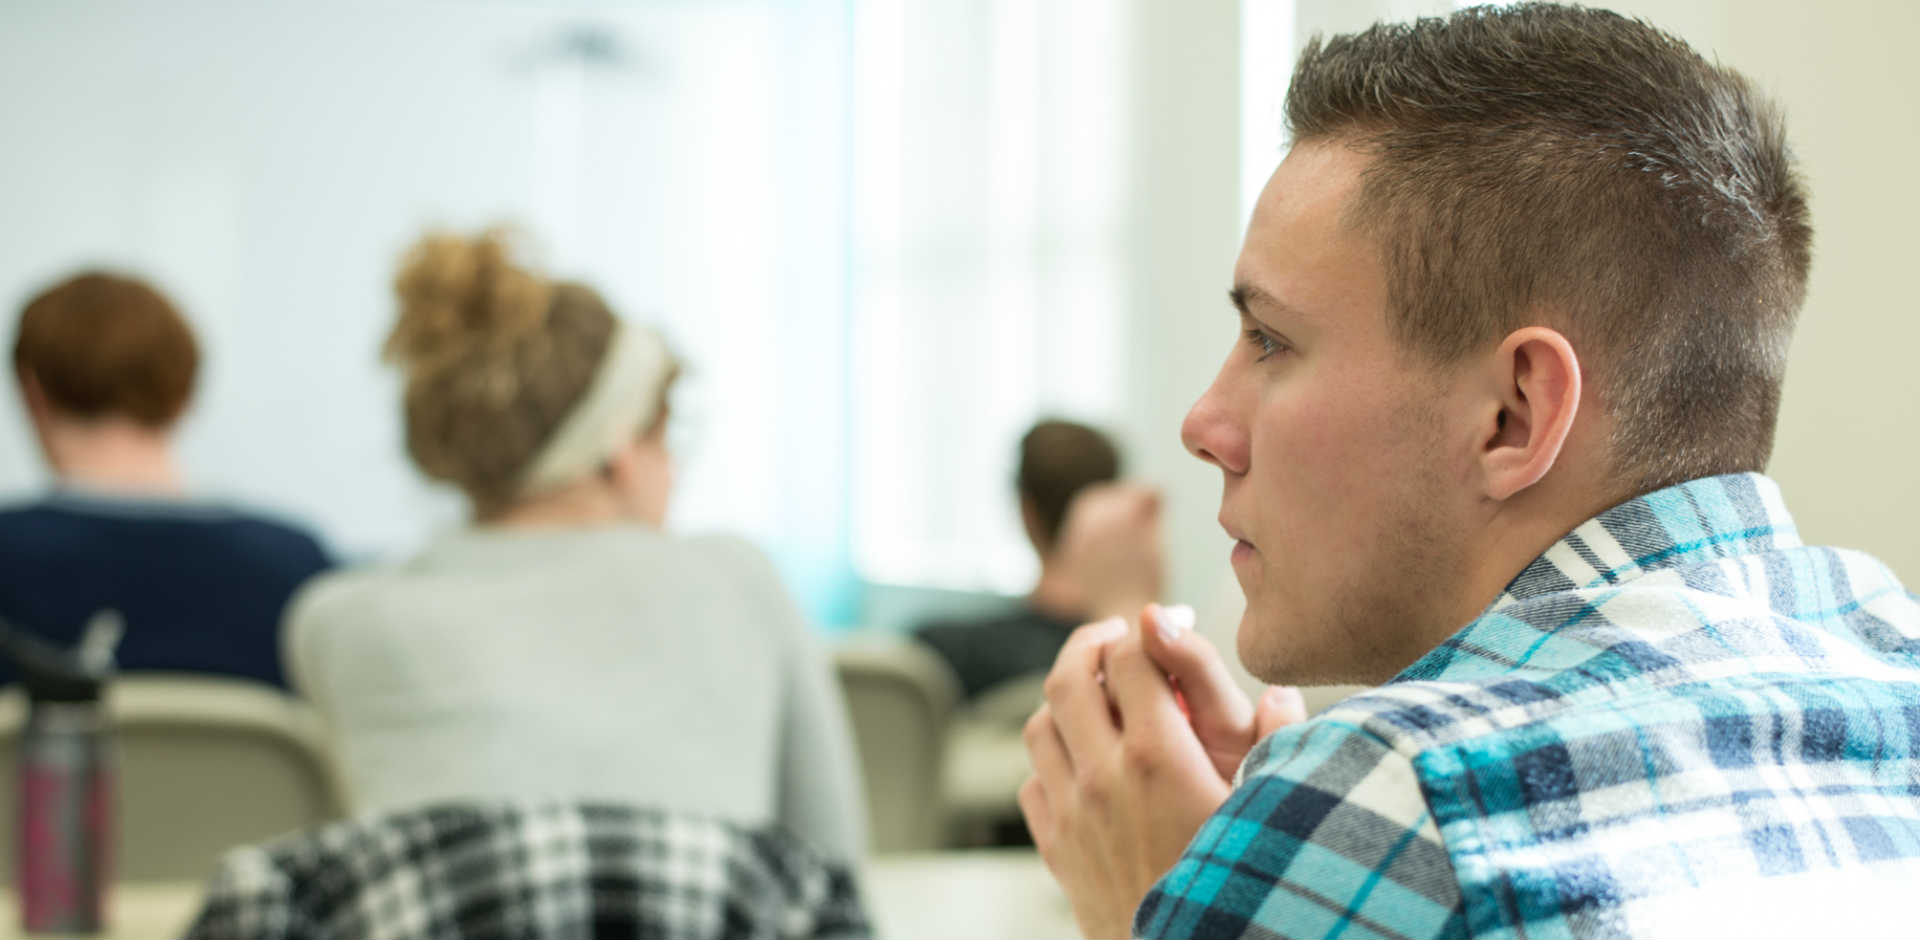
1244,295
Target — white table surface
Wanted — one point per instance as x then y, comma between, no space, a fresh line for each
134,909
978,893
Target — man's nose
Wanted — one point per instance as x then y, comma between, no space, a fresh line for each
1212,434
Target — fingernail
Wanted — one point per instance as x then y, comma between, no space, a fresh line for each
1285,696
1173,621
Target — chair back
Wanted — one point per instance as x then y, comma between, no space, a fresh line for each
201,764
987,758
900,698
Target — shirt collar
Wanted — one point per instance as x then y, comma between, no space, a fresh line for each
1700,520
1691,523
94,500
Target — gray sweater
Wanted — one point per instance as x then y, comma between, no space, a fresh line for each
616,663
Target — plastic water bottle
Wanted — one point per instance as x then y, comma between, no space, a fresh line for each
65,792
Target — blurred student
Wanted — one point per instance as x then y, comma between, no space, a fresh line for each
1080,579
106,370
563,646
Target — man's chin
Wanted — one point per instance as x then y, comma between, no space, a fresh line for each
1254,643
1283,653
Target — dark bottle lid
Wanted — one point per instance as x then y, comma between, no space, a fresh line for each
52,674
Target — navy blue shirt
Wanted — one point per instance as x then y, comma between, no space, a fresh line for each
986,652
200,587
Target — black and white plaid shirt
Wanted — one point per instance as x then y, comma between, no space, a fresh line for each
549,870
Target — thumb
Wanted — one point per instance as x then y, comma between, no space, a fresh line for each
1219,712
1279,706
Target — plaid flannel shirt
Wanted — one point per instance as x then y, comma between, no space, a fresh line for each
1678,721
549,870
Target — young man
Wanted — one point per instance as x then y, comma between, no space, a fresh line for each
1516,309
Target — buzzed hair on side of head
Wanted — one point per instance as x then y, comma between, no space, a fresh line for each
1058,459
1578,169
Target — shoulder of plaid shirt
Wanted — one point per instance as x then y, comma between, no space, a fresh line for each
1679,720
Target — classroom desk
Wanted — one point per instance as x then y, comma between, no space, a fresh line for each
134,909
977,893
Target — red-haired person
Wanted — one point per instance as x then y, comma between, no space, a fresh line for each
106,369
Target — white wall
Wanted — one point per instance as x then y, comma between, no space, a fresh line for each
265,164
1184,232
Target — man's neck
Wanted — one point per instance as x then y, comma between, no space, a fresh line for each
114,455
1056,595
1518,535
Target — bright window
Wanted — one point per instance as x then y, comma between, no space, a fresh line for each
988,194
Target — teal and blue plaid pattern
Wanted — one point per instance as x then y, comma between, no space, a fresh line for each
1678,721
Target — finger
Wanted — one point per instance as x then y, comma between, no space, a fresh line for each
1038,812
1074,693
1220,711
1280,706
1046,752
1143,694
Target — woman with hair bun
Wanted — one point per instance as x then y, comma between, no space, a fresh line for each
563,646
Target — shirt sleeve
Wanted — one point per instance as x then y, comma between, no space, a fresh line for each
819,790
1328,836
298,658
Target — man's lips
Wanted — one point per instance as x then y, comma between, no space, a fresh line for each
1233,531
1243,550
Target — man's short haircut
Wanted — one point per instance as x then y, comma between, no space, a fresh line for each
1058,459
1575,168
104,345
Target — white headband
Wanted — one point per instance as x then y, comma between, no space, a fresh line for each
623,398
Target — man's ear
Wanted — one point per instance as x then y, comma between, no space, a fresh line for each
617,466
40,410
1536,382
31,392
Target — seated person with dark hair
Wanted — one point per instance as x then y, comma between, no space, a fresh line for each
1060,462
106,367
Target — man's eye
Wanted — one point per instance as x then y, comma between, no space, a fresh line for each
1265,344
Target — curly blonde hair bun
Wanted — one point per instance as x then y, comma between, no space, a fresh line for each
495,357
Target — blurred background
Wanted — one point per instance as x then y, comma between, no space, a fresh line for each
887,235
